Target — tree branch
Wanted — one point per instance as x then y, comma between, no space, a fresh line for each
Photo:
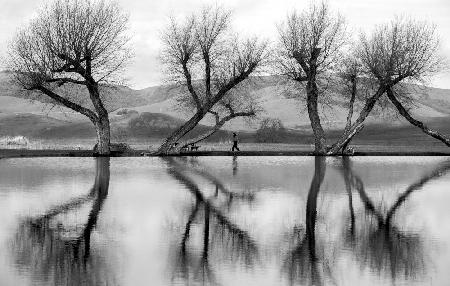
415,122
207,74
300,78
216,115
349,136
370,103
235,81
301,61
191,89
78,108
70,62
229,107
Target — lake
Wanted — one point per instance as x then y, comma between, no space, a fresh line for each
225,221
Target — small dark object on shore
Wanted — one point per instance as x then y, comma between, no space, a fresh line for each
185,148
350,151
194,147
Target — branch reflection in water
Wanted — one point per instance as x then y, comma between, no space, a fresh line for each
380,244
55,254
376,241
285,230
302,263
220,235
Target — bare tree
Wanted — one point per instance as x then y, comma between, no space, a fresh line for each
73,42
238,102
309,46
403,51
199,55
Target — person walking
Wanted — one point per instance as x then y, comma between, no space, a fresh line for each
235,142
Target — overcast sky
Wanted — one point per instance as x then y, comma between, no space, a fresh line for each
250,17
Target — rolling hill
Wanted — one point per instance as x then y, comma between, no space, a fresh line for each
149,114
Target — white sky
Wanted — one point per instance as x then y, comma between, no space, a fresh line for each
250,17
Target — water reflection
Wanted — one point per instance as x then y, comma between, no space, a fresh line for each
231,221
375,240
302,263
235,165
220,235
56,254
380,244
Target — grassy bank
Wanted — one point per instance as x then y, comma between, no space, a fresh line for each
247,149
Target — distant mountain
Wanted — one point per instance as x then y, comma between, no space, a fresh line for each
27,124
116,96
151,112
154,126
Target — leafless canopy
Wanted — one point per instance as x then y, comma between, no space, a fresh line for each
315,33
403,50
71,41
201,55
240,100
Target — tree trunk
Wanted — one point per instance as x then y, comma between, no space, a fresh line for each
99,118
103,135
343,143
102,125
313,112
312,95
351,104
350,107
346,136
415,122
180,132
347,142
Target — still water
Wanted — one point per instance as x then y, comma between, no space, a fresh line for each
225,221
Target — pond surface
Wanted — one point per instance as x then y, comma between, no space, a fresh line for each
225,221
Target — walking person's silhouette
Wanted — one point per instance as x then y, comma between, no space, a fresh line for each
235,142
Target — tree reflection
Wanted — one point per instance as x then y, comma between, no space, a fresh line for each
381,245
350,235
235,165
196,168
42,246
302,263
220,235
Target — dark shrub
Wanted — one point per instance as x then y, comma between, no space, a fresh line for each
271,130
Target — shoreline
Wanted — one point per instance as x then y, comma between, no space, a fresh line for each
17,153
